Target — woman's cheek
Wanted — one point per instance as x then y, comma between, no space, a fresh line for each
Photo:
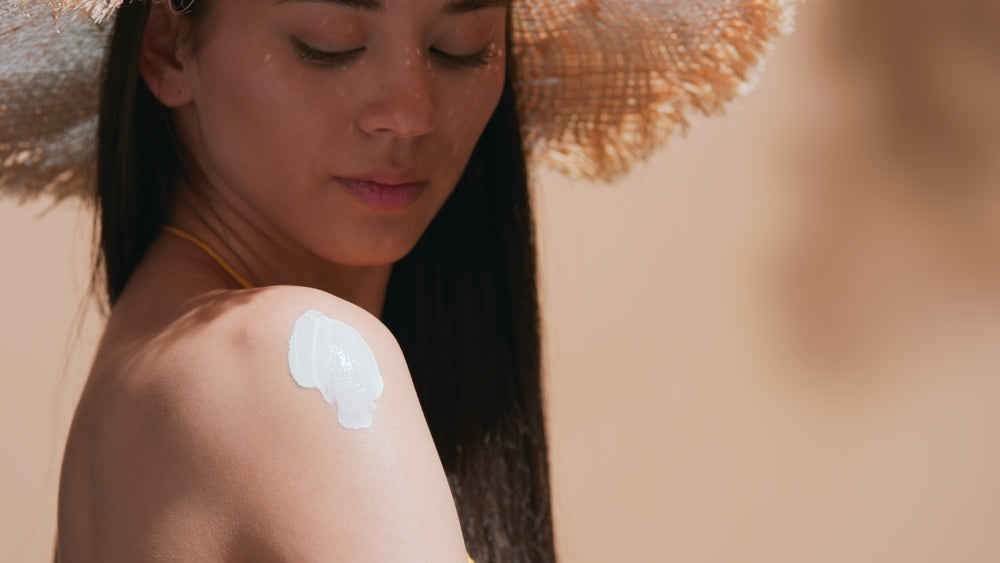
480,101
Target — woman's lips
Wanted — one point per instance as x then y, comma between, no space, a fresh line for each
384,196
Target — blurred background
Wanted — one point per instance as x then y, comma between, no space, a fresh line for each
778,341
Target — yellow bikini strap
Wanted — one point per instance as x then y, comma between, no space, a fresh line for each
211,253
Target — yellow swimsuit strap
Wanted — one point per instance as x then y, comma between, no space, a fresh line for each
211,253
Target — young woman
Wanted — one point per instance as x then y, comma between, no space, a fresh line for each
295,151
316,243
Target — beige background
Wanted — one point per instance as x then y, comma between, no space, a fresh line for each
776,342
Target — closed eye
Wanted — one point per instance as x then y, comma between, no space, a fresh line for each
477,59
341,58
324,58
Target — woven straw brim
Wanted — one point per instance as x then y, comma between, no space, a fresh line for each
601,84
48,103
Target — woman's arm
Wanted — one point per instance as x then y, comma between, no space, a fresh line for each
268,467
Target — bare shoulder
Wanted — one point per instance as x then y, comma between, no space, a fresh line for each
290,415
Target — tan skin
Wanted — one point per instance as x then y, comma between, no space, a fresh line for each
191,441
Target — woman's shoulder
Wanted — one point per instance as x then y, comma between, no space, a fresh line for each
254,321
266,356
232,349
289,412
253,326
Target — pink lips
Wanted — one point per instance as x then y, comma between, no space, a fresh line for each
384,196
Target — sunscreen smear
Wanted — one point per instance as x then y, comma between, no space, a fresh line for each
333,357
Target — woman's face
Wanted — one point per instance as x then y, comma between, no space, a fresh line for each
341,125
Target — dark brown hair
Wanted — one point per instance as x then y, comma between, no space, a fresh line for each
463,304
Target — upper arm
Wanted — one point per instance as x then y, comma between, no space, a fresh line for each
276,463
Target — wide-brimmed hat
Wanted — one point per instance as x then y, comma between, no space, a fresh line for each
600,83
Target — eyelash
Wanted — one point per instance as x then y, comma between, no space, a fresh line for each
342,58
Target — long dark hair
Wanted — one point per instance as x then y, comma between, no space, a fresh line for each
463,304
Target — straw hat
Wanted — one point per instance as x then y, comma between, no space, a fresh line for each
601,83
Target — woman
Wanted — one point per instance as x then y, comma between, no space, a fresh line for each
303,195
314,148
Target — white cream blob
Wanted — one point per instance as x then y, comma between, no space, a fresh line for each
331,356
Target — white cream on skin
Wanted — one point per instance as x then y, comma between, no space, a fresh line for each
332,356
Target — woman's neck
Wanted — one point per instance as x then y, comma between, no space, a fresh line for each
264,256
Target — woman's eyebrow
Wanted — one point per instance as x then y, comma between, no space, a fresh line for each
453,7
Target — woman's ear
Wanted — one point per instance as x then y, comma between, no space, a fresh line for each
163,57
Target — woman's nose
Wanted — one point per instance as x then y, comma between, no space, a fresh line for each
401,104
